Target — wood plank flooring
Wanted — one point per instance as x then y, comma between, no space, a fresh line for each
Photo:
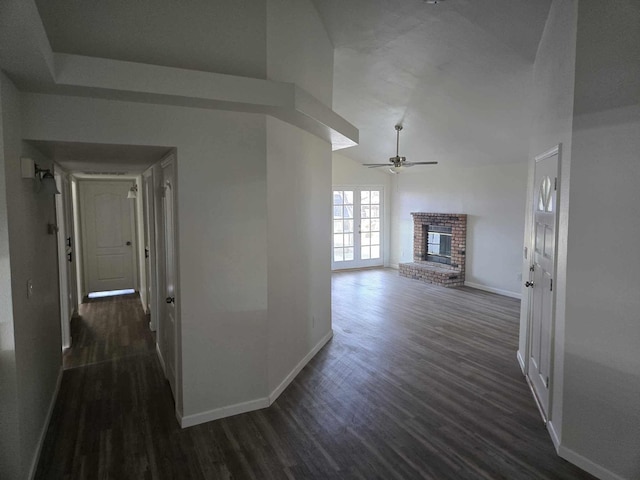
419,381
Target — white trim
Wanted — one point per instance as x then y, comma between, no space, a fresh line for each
256,404
45,426
521,362
164,368
298,368
549,153
554,434
395,266
499,291
587,465
222,412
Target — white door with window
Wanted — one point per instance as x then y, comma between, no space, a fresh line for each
540,362
357,227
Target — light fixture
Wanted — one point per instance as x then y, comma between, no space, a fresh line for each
398,163
46,183
133,191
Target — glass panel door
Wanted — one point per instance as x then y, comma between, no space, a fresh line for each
357,227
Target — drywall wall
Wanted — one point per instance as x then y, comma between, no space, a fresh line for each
601,418
347,172
298,197
552,116
298,48
298,239
493,197
9,422
36,318
222,230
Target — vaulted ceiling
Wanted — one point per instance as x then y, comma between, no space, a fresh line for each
456,74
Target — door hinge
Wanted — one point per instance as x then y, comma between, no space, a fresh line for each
551,288
555,183
532,268
546,382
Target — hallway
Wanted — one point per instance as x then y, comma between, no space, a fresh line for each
419,381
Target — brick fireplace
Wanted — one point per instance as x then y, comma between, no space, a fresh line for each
439,249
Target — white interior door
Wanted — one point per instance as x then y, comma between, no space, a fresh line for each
108,235
541,277
169,326
357,227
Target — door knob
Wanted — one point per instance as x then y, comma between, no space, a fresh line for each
528,284
171,300
128,243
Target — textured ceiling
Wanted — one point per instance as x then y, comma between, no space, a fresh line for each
456,75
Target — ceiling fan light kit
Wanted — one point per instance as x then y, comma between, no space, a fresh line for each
398,163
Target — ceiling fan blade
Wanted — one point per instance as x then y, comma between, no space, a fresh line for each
407,164
376,165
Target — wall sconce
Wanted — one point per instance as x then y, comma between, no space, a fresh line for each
133,191
46,182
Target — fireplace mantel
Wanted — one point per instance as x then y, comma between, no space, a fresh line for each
448,270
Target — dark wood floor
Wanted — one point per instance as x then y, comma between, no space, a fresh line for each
418,382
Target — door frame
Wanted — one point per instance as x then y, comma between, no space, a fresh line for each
528,293
64,280
149,209
358,188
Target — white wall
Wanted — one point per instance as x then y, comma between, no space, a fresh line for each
9,421
601,421
36,320
552,117
493,197
298,197
348,172
222,229
298,239
298,48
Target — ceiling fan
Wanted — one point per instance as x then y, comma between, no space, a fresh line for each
398,163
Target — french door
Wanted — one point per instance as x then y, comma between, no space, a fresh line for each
357,227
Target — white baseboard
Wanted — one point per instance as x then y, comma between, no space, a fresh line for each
258,403
555,438
298,368
164,368
587,465
521,362
45,427
499,291
217,413
395,266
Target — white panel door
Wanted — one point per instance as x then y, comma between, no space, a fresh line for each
541,278
108,235
168,328
356,227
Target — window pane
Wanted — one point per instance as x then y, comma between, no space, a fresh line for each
338,255
375,238
348,211
338,240
337,212
375,225
375,252
365,226
348,253
365,253
348,239
365,211
364,196
375,196
337,197
348,197
375,211
365,239
348,226
337,226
